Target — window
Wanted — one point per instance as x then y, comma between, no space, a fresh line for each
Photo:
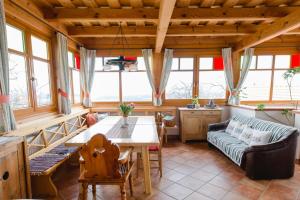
134,85
105,87
18,80
267,71
41,67
29,70
212,83
258,82
180,83
74,78
280,86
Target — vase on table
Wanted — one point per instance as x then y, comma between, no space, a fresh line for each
125,121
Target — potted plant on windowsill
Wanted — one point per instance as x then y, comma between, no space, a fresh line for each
126,109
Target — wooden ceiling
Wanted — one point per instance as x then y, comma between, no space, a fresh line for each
172,23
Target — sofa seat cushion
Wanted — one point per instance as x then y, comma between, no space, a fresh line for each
229,145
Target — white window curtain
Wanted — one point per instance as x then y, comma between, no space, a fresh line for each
235,91
63,79
87,73
167,65
148,59
7,119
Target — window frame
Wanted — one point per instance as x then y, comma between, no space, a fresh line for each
149,102
272,69
71,69
209,70
194,93
33,109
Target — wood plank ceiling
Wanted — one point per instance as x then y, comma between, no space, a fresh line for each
159,24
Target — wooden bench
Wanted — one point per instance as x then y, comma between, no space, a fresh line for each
45,150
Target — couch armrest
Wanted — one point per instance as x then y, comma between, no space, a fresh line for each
271,161
218,126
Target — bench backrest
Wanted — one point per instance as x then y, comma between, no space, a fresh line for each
46,134
279,131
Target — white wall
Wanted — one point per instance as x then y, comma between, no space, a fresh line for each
297,125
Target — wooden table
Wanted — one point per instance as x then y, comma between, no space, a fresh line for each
143,135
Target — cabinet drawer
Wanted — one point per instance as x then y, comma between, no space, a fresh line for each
211,112
192,112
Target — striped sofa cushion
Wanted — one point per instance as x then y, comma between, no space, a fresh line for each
230,146
279,131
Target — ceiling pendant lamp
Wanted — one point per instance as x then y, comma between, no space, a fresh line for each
125,63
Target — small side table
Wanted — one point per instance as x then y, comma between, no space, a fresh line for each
168,130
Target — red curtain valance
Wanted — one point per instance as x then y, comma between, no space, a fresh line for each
218,63
77,61
295,61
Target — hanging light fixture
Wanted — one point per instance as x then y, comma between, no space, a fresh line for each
125,63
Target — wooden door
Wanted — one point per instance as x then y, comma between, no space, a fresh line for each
11,174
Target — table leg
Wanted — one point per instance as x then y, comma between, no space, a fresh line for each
81,168
146,165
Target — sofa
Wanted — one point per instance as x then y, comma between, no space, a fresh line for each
274,160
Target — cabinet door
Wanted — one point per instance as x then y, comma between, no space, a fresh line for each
192,124
10,177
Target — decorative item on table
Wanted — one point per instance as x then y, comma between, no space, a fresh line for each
169,121
195,102
190,106
126,109
211,104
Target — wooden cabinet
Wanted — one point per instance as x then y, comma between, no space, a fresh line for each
12,169
194,122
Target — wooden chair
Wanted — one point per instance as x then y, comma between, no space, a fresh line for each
103,164
154,150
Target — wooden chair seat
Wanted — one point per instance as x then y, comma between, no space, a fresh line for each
153,148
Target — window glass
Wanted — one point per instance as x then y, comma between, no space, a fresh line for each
18,88
257,86
136,87
280,87
175,64
39,47
15,39
212,85
99,64
253,62
206,63
282,61
180,85
264,62
186,63
76,86
42,82
105,87
71,59
141,63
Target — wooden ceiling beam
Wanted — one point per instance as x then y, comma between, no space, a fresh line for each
101,15
230,3
90,3
114,3
179,14
173,31
136,3
66,3
183,3
207,3
230,14
266,32
165,12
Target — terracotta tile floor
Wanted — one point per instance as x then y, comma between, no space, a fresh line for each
191,172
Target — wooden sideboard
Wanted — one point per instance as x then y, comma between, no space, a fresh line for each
13,177
194,122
